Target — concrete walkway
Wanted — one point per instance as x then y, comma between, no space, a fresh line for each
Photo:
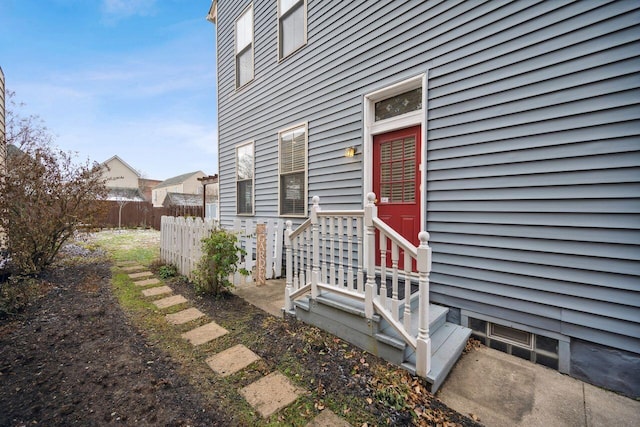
503,390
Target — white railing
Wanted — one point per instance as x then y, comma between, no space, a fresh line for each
333,251
181,244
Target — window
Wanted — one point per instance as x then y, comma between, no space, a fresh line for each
292,23
244,179
398,171
293,171
399,104
244,47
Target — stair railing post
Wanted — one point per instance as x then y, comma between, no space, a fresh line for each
423,345
288,304
370,212
315,235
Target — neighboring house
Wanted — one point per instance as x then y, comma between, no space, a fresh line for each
185,184
510,131
147,186
119,174
187,200
123,181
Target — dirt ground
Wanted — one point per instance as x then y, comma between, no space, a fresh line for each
74,358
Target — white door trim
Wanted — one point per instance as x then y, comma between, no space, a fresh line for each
372,128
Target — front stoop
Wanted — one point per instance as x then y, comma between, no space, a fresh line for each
344,317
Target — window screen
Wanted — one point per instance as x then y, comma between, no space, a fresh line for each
293,164
291,26
244,179
244,47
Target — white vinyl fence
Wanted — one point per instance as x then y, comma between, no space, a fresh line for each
181,244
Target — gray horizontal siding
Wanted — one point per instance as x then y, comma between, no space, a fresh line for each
533,143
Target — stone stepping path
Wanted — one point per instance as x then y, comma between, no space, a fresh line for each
140,275
132,268
170,301
205,333
270,394
267,395
126,263
328,418
147,282
232,360
158,290
184,316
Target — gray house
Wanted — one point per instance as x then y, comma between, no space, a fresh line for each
509,131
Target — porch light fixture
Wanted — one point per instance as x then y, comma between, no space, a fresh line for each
350,152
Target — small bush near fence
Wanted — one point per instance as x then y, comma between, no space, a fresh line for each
220,257
167,271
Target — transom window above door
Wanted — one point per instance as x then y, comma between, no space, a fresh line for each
397,105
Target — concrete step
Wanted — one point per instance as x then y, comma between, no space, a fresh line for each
447,344
344,317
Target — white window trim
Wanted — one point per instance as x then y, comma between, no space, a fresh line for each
253,179
372,128
306,169
235,47
282,58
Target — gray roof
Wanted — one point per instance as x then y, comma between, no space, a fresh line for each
176,179
125,194
182,199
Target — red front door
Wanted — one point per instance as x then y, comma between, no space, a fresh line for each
396,183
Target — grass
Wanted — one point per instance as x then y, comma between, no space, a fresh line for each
143,247
140,247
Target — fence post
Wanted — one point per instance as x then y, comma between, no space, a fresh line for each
315,270
288,304
370,212
423,345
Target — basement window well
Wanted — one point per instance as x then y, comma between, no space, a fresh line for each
525,345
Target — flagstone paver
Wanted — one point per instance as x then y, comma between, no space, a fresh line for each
327,418
170,301
205,333
133,268
126,263
140,275
232,360
147,282
158,290
270,394
184,316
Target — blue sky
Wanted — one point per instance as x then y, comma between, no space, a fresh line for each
134,78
